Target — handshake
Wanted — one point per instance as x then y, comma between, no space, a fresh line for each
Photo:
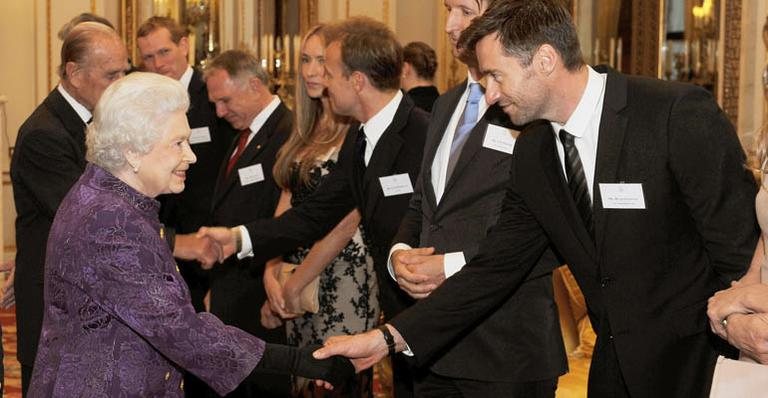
208,245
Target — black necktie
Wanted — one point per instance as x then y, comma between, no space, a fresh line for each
577,182
360,143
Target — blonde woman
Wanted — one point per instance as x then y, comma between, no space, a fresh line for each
348,287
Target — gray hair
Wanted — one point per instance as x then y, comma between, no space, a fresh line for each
131,115
80,43
240,65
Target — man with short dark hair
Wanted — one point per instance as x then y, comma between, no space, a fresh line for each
637,183
48,158
378,164
417,80
460,189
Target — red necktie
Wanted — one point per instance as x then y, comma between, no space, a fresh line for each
242,140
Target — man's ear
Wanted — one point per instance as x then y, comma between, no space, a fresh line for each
545,59
407,70
359,80
184,46
74,74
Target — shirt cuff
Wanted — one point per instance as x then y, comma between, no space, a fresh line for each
453,263
397,246
407,351
246,249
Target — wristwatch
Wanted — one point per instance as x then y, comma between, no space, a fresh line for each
388,338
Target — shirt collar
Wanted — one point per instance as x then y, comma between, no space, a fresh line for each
262,117
81,110
186,77
375,126
578,123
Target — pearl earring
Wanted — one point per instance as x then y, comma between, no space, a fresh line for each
135,169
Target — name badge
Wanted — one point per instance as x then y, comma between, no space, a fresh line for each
251,174
199,135
396,184
500,138
622,196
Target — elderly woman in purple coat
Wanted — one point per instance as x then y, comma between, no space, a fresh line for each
118,319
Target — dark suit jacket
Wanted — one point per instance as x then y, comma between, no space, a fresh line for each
237,286
469,207
647,274
189,210
398,151
48,159
235,204
424,97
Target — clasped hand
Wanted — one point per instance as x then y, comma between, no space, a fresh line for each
208,246
418,271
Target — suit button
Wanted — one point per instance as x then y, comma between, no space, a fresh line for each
604,282
434,227
167,376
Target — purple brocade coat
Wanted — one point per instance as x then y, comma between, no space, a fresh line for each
118,319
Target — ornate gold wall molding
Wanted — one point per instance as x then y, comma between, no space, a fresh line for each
48,44
732,57
646,37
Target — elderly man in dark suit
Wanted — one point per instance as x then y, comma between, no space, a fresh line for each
456,200
638,184
48,158
245,191
378,163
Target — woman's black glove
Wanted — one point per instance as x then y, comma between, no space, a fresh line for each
282,359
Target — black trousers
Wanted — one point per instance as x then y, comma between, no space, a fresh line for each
431,385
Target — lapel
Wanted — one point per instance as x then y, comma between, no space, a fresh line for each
68,117
613,126
254,148
474,143
384,157
441,117
559,187
196,86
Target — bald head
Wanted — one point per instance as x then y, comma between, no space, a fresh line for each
92,57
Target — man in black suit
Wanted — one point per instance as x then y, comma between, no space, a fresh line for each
48,158
417,79
456,200
245,191
163,47
378,163
649,205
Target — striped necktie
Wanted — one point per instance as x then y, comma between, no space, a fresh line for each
577,181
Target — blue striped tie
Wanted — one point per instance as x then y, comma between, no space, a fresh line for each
466,124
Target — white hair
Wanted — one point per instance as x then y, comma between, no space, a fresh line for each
131,116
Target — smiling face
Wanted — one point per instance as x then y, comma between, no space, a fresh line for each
520,91
161,55
164,168
313,65
460,15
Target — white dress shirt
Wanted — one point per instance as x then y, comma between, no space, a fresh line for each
584,125
186,78
454,261
375,126
81,110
